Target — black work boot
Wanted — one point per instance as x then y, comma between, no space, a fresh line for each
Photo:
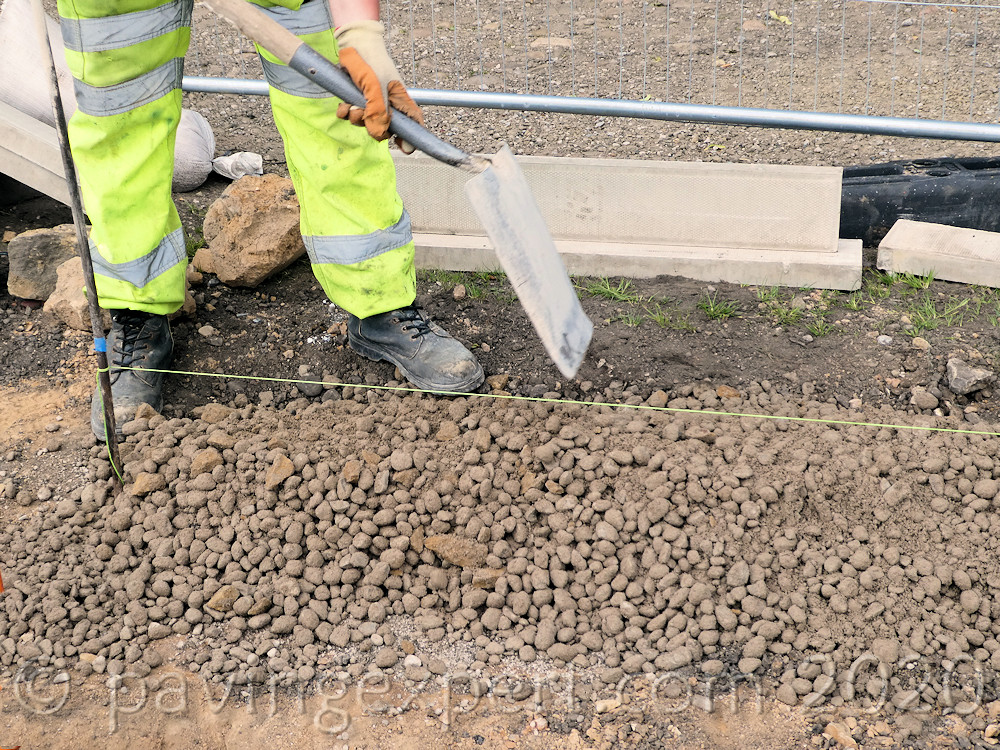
141,340
427,356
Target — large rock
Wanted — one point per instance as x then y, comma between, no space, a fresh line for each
67,303
964,379
34,257
252,231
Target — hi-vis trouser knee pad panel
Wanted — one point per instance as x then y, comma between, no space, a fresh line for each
127,59
353,224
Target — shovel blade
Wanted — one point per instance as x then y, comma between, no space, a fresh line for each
502,200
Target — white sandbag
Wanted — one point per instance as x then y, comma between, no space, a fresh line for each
195,149
24,85
240,164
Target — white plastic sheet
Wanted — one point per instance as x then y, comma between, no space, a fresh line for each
239,164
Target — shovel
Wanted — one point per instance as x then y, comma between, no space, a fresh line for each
498,192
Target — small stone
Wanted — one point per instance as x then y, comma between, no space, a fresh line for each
498,382
725,391
787,695
351,471
262,603
607,705
839,734
215,413
279,471
923,400
145,483
713,666
884,340
459,292
964,379
204,461
564,652
485,578
739,574
657,399
437,666
970,601
158,630
283,625
919,342
457,550
386,658
747,665
447,431
223,599
145,411
886,650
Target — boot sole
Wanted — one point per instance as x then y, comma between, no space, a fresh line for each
375,355
99,430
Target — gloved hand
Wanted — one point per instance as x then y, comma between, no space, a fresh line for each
363,55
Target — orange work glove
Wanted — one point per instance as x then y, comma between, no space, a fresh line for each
363,55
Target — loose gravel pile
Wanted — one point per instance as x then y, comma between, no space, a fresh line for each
416,535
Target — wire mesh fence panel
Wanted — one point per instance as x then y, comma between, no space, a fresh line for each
869,57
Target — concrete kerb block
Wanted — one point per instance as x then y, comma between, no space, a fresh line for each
969,256
30,154
750,224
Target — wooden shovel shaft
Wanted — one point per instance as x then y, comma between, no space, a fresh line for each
302,58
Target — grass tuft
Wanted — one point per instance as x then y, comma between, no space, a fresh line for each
622,292
717,309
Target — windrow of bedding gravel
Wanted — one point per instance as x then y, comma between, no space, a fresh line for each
375,531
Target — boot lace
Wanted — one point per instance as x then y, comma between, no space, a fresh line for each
413,319
128,347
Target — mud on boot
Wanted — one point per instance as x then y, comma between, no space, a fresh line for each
424,352
137,340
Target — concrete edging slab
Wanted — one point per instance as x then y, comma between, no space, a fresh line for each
969,256
29,153
744,223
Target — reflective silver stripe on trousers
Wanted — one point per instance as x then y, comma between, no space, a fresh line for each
141,271
117,32
283,78
347,249
312,18
102,101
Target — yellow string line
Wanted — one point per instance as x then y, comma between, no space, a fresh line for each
575,402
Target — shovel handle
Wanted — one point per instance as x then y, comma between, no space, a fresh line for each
302,58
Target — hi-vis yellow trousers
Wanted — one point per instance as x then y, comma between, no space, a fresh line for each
127,58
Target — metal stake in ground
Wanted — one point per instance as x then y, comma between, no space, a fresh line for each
82,246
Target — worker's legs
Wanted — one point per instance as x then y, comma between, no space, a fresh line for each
354,226
127,59
128,70
353,223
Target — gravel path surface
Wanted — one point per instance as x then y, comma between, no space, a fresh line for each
361,531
